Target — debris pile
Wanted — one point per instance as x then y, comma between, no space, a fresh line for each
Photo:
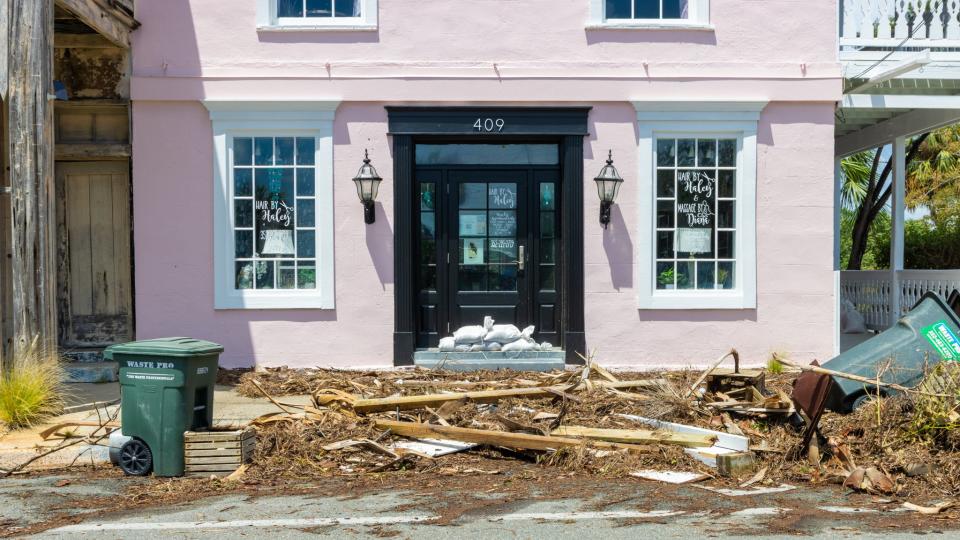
738,430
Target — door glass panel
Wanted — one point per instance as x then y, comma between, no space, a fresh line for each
548,199
487,228
428,236
487,154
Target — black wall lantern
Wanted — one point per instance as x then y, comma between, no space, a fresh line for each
608,185
368,183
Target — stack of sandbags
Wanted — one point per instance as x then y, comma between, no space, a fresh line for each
492,337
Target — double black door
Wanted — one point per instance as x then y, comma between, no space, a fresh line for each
488,244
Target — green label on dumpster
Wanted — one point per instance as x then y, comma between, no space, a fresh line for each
943,340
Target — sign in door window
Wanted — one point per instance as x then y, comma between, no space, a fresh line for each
487,230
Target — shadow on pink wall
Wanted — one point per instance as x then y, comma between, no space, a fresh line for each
379,239
618,246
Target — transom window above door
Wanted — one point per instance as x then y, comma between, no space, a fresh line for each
310,15
653,14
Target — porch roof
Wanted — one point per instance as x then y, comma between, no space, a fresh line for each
873,119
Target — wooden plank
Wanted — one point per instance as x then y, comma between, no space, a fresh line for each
4,48
31,142
214,445
206,436
79,238
82,41
122,265
637,436
109,23
211,468
236,461
91,151
480,396
226,452
101,233
497,438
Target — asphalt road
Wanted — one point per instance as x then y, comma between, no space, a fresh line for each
631,509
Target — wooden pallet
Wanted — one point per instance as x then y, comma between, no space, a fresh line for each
217,452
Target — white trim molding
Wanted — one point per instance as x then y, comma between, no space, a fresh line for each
720,119
267,20
277,118
698,19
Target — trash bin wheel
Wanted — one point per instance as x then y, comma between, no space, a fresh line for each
864,399
136,459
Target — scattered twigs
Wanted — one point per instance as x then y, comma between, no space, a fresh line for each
703,376
865,380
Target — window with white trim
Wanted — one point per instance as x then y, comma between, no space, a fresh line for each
697,246
649,14
316,15
273,227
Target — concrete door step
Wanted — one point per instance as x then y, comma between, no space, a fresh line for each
472,361
91,372
85,355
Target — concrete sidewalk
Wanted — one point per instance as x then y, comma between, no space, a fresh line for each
18,446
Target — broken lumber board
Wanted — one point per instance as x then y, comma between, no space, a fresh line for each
404,403
497,438
638,436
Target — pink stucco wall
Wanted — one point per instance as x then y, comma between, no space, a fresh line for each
444,52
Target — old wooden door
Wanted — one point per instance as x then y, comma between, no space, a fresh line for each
95,272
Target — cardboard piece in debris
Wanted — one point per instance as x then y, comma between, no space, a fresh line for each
726,443
434,447
671,477
748,491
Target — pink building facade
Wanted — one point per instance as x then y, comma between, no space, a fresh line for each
488,122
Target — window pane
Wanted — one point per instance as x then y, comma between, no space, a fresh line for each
428,193
706,153
242,182
243,244
306,215
503,250
725,247
473,252
726,187
487,154
618,9
686,152
306,150
548,225
473,223
548,252
472,278
243,151
305,182
503,196
275,208
347,8
675,9
728,152
548,199
725,214
725,275
502,277
665,183
244,275
548,278
306,248
428,278
289,8
318,8
263,151
243,213
665,275
264,271
473,195
284,150
665,213
287,275
685,275
705,274
666,152
306,275
503,223
665,244
647,9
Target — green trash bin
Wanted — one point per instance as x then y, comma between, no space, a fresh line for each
166,388
926,335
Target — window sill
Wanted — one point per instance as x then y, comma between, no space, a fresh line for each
271,301
651,25
359,27
698,300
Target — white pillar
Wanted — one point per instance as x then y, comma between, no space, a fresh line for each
837,190
897,208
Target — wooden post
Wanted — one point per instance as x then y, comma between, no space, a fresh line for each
33,212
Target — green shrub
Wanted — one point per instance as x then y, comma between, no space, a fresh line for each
31,388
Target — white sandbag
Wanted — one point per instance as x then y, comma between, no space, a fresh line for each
487,323
462,348
476,347
851,320
503,333
520,345
492,346
468,335
546,346
527,333
447,344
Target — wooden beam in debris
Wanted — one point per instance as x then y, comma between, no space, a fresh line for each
521,441
637,436
107,18
32,193
481,396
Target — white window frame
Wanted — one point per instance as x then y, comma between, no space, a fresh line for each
246,118
267,20
716,119
698,19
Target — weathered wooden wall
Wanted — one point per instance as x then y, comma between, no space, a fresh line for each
33,209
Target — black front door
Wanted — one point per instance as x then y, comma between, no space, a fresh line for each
488,245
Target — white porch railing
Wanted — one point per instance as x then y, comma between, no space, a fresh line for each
869,291
886,23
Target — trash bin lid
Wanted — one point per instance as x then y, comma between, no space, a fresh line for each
181,347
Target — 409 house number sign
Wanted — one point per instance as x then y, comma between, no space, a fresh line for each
489,125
